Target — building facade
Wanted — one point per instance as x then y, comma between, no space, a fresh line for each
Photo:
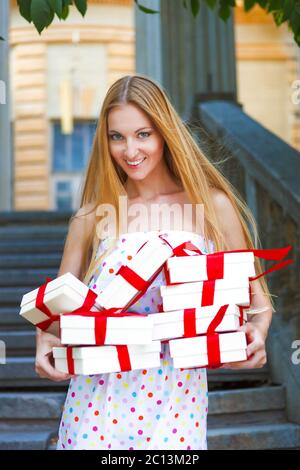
59,79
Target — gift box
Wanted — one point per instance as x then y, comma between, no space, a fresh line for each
204,293
210,267
191,322
208,351
64,294
88,360
136,276
100,329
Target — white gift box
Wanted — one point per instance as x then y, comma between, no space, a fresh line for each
194,268
192,352
62,295
167,325
189,295
78,329
119,293
90,360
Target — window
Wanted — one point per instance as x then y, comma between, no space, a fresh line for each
70,154
71,151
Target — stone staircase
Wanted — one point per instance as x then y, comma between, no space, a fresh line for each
246,411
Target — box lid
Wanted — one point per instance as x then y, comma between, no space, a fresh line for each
209,311
66,279
201,260
196,287
198,344
106,352
116,322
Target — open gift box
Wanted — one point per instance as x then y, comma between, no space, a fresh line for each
135,276
204,293
193,352
89,360
210,267
98,330
191,322
64,294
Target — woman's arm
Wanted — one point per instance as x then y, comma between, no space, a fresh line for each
258,324
71,262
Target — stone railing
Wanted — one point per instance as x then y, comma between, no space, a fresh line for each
266,172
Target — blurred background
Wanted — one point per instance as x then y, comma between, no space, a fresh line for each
238,85
58,81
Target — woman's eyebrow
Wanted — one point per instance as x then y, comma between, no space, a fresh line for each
141,128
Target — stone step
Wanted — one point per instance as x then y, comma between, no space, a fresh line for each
33,232
31,278
10,296
265,404
27,436
19,372
48,405
19,343
31,246
38,218
255,437
242,400
217,377
31,405
51,260
10,319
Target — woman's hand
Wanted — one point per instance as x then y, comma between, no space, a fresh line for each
44,362
256,351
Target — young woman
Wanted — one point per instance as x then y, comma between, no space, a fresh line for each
142,150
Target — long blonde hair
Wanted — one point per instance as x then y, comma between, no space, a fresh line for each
104,180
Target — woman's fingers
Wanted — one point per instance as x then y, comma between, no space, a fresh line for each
45,370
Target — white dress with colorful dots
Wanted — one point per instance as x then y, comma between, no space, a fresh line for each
155,409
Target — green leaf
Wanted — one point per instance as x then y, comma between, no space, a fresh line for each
184,4
65,12
41,14
57,6
195,7
211,3
248,4
25,9
224,11
145,9
81,6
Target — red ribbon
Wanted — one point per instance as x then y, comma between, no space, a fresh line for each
70,360
215,261
123,356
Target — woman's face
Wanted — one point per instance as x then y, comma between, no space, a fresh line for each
134,143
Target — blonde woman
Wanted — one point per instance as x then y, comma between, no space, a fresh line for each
144,152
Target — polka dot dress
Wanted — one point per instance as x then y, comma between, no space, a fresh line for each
153,409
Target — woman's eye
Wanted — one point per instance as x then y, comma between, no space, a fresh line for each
148,133
113,135
144,134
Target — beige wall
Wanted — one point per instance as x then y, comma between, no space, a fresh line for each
267,62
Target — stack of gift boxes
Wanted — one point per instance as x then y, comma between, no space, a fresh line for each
203,305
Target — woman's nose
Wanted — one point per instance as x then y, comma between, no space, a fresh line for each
130,150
